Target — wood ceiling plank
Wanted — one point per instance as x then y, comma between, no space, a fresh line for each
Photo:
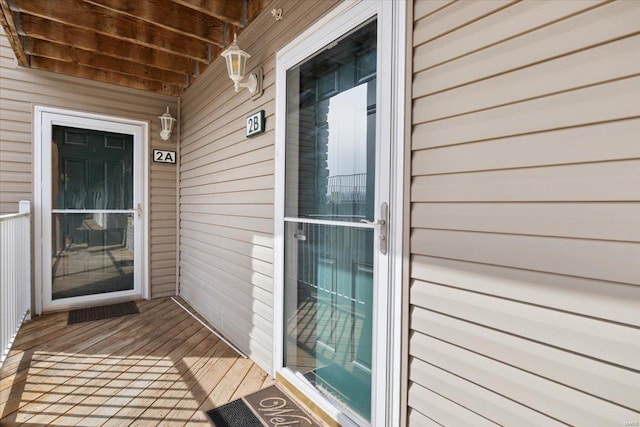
41,29
231,11
151,45
230,31
170,16
87,58
104,76
80,14
254,7
11,31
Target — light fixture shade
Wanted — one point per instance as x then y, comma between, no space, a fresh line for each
236,62
166,121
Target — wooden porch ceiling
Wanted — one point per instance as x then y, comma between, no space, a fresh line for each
155,45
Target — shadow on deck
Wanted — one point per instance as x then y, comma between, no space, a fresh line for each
157,367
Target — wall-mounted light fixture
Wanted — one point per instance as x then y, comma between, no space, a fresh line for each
236,62
167,121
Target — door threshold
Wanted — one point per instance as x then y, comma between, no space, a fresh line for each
92,303
307,403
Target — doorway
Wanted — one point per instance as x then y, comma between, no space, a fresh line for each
330,188
334,299
92,220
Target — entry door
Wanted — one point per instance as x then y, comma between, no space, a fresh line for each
92,211
331,213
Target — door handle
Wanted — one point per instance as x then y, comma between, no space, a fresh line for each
300,234
139,210
383,222
376,222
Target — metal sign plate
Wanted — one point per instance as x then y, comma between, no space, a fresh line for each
255,123
163,156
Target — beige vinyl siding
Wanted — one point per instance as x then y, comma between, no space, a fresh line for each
525,213
22,89
227,189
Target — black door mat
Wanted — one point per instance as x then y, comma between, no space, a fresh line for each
234,414
265,408
102,312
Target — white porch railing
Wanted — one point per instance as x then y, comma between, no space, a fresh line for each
15,274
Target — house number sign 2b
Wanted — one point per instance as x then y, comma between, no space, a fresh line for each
162,156
255,123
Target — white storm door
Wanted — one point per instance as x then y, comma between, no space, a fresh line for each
92,216
335,301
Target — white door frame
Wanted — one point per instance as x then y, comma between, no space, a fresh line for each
387,339
44,119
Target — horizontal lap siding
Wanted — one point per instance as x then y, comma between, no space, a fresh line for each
227,189
21,89
525,214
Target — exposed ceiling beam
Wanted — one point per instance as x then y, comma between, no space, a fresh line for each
159,46
104,76
254,7
88,58
77,13
228,11
10,29
170,16
40,29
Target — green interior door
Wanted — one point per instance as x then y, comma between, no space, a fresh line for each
330,187
92,213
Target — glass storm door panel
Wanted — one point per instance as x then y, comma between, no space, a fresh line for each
330,187
92,215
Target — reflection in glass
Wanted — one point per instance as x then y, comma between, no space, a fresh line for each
92,254
331,115
328,310
330,176
92,251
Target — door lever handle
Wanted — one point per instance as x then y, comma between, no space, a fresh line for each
375,222
384,228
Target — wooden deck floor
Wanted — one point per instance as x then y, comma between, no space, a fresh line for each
157,367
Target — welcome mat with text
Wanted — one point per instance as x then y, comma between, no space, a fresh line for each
268,407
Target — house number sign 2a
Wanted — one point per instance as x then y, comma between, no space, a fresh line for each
255,123
162,156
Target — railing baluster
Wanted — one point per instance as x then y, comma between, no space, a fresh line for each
15,274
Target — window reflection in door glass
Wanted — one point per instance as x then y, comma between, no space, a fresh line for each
330,176
331,135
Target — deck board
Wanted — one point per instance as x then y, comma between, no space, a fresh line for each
157,367
92,353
